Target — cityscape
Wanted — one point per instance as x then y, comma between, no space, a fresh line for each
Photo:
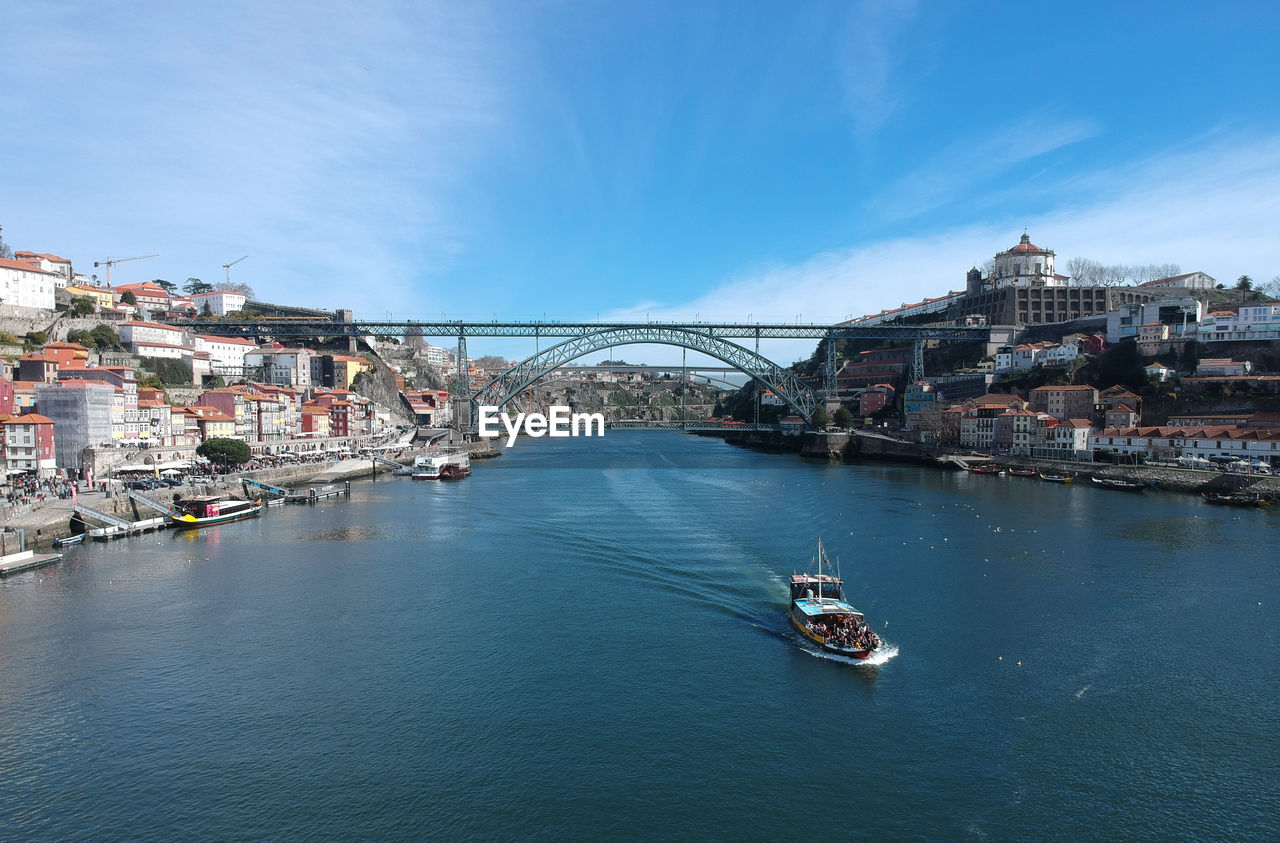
637,421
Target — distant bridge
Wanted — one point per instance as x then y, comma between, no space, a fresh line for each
581,338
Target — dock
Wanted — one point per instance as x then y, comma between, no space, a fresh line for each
27,560
319,493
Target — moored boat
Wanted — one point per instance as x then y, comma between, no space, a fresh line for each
1023,472
206,511
450,465
1055,478
69,541
1250,499
1118,484
987,468
820,613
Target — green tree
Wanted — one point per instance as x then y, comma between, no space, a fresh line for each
127,297
820,418
37,337
82,337
206,311
225,451
1244,284
150,381
168,286
5,252
195,286
843,418
105,337
82,306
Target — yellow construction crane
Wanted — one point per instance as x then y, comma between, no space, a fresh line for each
227,267
110,262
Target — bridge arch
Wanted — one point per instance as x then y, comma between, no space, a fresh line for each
799,396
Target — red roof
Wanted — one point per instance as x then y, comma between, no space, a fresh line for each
29,418
1025,245
25,267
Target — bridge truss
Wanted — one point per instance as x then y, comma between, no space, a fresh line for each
506,386
711,338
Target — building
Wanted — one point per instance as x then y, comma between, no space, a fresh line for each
1181,314
1065,439
1255,322
1159,371
315,421
226,354
875,398
25,285
102,297
280,366
49,263
1187,281
219,302
1171,443
1064,402
881,365
1153,338
28,443
150,297
37,366
82,413
1222,367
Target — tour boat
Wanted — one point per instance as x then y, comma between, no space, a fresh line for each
210,510
1024,472
987,468
819,613
1055,478
1118,484
1236,499
447,466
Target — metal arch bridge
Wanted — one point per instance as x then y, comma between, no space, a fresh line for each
707,337
506,386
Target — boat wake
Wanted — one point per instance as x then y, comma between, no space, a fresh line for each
884,655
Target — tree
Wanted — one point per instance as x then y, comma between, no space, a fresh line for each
1084,272
127,297
37,337
240,287
225,451
1271,288
168,286
195,286
82,337
82,306
105,337
206,311
5,252
820,418
1244,284
150,381
843,418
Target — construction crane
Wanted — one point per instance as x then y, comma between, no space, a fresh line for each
110,262
227,267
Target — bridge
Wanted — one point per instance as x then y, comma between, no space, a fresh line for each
580,338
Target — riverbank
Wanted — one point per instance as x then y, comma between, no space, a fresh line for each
52,520
862,445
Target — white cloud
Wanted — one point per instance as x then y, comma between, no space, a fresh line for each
869,61
1214,209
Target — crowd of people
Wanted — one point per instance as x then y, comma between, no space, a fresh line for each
25,489
846,631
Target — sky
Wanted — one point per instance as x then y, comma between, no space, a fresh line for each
664,160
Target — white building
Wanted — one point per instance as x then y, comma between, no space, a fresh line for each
1025,265
1182,315
1170,443
279,366
49,263
1189,281
1222,367
435,355
1254,322
226,354
221,302
26,285
139,335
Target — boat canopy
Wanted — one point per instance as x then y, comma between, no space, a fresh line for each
813,607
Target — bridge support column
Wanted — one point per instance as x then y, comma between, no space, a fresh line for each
462,410
830,389
917,359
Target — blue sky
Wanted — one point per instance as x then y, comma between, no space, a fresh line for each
722,160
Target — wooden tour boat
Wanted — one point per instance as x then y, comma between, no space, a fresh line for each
1251,499
206,511
987,468
1023,472
450,465
1055,478
1118,484
819,613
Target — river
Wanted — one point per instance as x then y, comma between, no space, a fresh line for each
587,638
